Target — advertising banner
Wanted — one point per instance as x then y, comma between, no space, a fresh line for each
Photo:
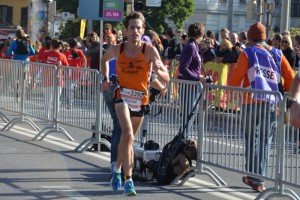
37,20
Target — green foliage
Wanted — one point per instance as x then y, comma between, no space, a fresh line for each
176,10
294,31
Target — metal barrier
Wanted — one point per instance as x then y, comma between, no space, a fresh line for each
226,135
169,113
289,151
220,125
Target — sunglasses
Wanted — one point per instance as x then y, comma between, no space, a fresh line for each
284,41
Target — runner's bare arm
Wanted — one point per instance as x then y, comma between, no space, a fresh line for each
158,66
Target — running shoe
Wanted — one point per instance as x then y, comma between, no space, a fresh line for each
129,189
116,181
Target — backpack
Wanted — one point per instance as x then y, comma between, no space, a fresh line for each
22,47
164,170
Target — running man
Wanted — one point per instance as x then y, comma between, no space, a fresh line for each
135,62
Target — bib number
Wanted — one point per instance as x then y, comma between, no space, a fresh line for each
133,98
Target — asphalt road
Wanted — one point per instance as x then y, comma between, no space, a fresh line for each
50,169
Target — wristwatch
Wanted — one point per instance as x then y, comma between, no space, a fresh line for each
290,102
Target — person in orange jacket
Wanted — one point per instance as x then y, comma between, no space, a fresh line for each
260,66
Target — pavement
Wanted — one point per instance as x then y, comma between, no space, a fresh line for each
51,169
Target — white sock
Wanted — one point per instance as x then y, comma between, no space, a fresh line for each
116,169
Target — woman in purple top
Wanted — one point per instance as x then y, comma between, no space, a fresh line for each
190,69
190,60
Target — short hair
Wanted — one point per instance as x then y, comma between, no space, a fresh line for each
243,35
134,15
210,34
170,32
108,25
73,42
55,43
196,30
277,36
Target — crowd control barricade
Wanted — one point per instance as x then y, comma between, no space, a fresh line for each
289,149
14,86
226,132
169,113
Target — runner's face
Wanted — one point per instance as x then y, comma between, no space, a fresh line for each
135,30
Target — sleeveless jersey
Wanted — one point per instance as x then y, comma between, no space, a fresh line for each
133,75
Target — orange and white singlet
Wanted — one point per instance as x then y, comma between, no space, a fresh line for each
133,76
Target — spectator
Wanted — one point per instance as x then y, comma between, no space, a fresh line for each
224,32
276,41
224,52
243,38
45,48
297,46
174,48
54,57
183,40
3,51
211,35
156,42
255,58
76,59
93,50
234,38
210,53
190,68
287,49
21,48
108,30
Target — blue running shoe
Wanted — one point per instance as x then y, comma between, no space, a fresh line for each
129,189
116,181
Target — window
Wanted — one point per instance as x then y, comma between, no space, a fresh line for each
5,15
24,17
295,11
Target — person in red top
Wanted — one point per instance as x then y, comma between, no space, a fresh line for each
45,48
77,59
3,52
53,57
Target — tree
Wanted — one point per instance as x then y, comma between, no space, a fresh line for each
176,10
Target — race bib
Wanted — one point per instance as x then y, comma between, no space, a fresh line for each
133,98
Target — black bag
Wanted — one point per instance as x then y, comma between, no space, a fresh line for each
164,172
22,47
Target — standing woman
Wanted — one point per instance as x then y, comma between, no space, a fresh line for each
287,49
21,48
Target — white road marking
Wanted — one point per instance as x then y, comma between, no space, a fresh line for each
192,182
